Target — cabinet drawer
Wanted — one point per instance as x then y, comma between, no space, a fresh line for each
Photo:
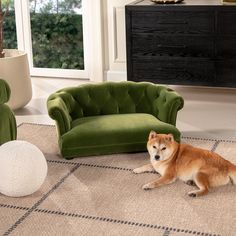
154,45
173,22
175,72
225,73
226,47
226,22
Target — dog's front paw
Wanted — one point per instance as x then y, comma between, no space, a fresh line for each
137,171
148,186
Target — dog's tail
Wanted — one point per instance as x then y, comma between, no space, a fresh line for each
232,174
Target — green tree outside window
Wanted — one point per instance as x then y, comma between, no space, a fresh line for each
57,33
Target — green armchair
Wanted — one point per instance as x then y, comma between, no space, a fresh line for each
106,118
8,129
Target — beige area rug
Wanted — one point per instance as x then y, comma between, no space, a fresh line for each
101,196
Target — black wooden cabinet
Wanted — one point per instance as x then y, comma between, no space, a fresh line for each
192,43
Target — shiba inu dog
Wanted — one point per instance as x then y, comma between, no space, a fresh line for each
195,166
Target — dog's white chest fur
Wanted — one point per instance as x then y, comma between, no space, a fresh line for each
159,167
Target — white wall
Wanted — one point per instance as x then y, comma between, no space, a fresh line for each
114,39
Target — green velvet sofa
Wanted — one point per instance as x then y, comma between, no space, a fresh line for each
106,118
8,129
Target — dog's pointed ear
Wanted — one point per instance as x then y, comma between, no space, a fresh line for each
152,135
170,138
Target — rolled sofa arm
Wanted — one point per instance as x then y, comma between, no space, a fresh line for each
5,91
169,103
8,125
59,111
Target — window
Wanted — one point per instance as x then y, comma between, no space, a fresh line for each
53,33
57,34
63,38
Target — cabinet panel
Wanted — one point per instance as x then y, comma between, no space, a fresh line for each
226,74
173,22
226,46
185,72
189,44
154,45
227,22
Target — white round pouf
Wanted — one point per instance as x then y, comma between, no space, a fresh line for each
23,168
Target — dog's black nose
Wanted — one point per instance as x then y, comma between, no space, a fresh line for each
157,157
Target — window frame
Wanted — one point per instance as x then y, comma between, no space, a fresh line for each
93,56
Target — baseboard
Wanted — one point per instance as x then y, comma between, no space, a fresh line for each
115,76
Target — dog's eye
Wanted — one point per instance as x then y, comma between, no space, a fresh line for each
164,148
154,147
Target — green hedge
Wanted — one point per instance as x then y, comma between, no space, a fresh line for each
57,39
10,40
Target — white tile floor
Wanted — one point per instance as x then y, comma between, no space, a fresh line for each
208,112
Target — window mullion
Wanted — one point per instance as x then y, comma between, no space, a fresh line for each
19,25
27,31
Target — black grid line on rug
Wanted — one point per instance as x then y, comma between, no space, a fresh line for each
216,144
35,124
167,230
208,139
126,222
97,166
40,201
14,207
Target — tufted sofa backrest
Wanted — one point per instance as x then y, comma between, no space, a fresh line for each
118,98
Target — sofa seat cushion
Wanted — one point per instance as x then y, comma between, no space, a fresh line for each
96,135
